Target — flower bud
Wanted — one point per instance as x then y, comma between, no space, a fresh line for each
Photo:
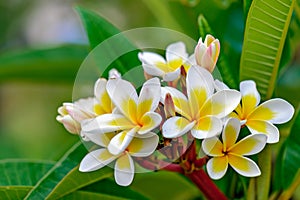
169,106
207,52
69,123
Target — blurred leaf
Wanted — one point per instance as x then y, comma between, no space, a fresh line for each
75,180
22,172
109,186
118,49
14,192
48,182
227,72
246,5
266,28
53,64
291,155
83,195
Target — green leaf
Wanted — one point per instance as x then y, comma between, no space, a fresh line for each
109,186
83,195
22,172
48,182
266,28
14,192
49,64
227,73
291,155
75,180
118,48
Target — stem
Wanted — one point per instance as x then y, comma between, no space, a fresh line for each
206,185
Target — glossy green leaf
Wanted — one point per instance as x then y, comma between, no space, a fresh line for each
227,72
266,28
45,64
83,195
118,48
14,192
22,172
108,186
48,182
75,180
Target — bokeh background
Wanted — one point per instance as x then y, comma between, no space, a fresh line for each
42,44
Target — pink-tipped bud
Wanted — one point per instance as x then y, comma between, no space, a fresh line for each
207,52
169,106
69,123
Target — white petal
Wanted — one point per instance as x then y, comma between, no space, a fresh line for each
244,166
264,127
145,146
123,95
217,167
176,51
221,103
231,132
69,123
100,87
276,111
114,74
120,142
106,123
171,76
191,60
149,121
149,61
248,87
124,170
101,139
149,96
96,160
207,127
252,144
212,147
220,85
176,126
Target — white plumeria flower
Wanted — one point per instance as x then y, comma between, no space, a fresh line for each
207,52
136,114
232,152
202,110
169,68
260,118
72,114
124,165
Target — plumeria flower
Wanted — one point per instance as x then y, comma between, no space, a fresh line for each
207,52
260,118
232,152
135,113
201,110
169,68
72,114
124,165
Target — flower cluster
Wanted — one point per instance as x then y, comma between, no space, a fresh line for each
186,103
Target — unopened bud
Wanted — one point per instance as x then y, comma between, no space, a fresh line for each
169,106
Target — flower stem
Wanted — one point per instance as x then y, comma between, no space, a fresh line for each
206,185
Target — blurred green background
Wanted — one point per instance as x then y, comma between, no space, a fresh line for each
42,44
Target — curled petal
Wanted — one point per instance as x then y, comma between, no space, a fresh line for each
244,166
145,146
69,123
207,127
176,126
231,132
176,51
171,76
149,121
101,139
250,95
150,61
212,147
264,127
124,170
96,160
106,123
217,167
221,103
252,144
220,85
124,97
120,142
276,111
